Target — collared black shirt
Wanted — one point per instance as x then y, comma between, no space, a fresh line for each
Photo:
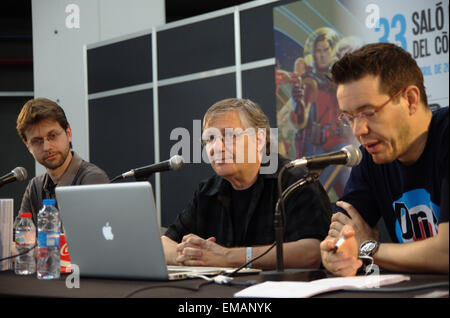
308,211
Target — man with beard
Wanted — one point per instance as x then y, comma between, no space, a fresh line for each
43,127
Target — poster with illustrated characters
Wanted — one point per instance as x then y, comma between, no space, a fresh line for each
311,35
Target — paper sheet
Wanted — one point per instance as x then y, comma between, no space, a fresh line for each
308,289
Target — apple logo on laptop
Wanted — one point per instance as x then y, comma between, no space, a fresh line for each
107,232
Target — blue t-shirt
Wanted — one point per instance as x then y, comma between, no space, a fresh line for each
412,199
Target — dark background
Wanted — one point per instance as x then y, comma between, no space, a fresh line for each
182,50
16,75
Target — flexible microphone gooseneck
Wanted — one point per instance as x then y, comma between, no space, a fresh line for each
348,155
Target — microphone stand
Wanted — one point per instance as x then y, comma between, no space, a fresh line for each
279,220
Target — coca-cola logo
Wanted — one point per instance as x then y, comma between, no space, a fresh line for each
64,250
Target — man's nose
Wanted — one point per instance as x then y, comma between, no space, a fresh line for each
46,144
360,127
217,146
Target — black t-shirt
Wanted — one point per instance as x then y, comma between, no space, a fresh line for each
240,202
209,214
411,199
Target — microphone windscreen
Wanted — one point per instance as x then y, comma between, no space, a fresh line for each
176,162
20,173
354,155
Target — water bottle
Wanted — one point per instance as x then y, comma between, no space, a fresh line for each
48,266
25,238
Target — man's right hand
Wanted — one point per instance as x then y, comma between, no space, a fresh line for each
344,261
191,250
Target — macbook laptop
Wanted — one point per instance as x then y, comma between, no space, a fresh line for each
112,231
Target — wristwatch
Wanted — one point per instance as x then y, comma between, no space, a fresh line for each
368,248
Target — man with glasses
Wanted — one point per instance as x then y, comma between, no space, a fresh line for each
403,176
231,217
43,127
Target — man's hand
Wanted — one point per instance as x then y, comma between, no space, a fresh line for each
362,231
344,261
196,251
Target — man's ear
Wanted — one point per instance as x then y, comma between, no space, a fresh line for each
69,133
261,137
412,94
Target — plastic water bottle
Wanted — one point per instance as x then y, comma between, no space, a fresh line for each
49,225
25,238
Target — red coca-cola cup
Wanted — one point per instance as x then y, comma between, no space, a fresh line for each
65,265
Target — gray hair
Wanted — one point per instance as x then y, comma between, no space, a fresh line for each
250,114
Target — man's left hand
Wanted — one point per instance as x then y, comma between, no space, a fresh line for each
363,231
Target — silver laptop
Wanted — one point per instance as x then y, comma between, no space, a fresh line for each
112,231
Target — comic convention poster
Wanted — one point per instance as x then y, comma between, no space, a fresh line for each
311,35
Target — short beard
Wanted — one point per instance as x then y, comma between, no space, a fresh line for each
59,163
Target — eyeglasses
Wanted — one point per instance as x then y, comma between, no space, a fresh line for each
349,120
39,141
210,136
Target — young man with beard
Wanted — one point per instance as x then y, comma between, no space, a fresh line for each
403,176
43,127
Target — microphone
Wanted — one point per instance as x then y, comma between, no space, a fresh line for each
18,174
174,163
349,155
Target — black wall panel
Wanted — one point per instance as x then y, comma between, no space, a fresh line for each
121,127
257,34
14,153
259,86
196,47
179,105
121,133
16,77
120,64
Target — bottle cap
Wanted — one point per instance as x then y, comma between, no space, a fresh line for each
49,201
25,215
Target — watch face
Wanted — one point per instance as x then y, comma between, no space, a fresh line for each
368,247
